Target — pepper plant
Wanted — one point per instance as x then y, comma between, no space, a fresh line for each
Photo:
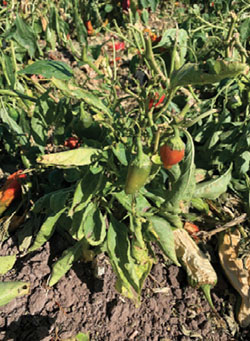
131,182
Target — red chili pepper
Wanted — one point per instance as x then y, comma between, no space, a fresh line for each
173,151
11,189
192,229
125,5
5,3
89,27
151,101
72,142
120,46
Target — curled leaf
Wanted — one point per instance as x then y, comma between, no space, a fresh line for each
197,265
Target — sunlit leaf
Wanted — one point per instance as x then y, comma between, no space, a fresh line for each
75,157
11,290
6,263
49,69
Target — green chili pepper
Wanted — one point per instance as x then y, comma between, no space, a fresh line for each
138,171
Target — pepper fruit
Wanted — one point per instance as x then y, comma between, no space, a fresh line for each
72,142
10,190
138,171
173,150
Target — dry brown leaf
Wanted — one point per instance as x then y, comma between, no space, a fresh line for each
195,262
237,273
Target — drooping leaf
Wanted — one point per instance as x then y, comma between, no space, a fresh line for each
49,69
46,231
65,262
25,36
200,74
94,226
85,190
119,250
72,90
11,290
163,232
6,263
212,189
69,158
120,152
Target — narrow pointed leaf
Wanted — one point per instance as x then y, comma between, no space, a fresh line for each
46,231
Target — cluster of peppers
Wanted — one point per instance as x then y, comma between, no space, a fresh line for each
172,151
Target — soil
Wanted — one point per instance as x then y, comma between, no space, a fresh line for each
85,300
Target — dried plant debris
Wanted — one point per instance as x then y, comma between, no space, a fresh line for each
238,272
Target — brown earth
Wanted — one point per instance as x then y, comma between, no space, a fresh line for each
85,300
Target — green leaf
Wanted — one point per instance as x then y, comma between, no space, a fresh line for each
46,231
49,69
11,290
6,263
75,157
25,36
200,74
94,226
141,204
65,262
13,126
119,250
86,188
163,232
212,189
245,30
72,90
120,152
169,37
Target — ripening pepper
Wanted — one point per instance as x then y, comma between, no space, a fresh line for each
10,190
173,150
72,142
138,171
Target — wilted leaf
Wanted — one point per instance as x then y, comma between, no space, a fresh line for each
6,263
237,272
94,226
197,265
212,189
119,250
199,74
69,158
11,290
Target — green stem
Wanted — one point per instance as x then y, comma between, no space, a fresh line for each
149,56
